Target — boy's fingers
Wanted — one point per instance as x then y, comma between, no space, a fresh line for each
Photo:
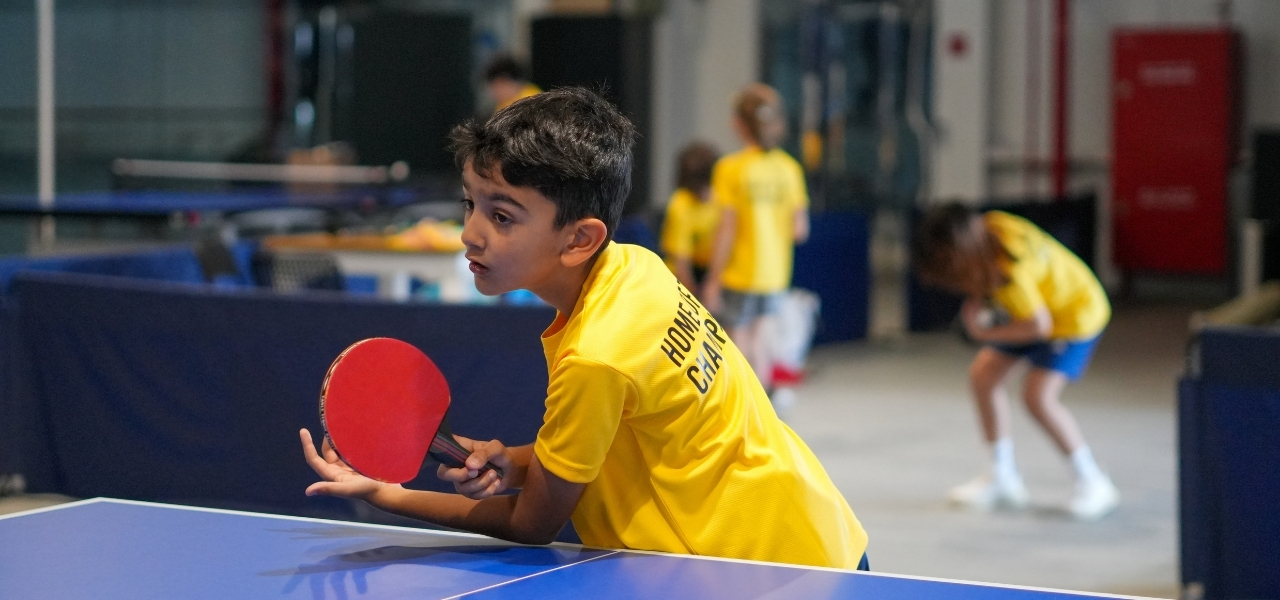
480,454
322,467
467,443
330,455
491,451
452,475
305,436
317,489
471,486
491,485
477,488
325,488
309,451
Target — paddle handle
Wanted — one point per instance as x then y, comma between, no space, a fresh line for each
450,453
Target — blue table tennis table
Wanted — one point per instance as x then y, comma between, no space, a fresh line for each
143,203
102,548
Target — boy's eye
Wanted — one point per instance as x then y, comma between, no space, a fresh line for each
468,204
501,218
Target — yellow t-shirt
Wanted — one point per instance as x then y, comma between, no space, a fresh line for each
528,90
765,189
689,229
1045,274
654,409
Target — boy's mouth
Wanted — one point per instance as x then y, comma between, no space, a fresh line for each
478,268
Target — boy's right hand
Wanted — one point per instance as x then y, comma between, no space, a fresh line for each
473,481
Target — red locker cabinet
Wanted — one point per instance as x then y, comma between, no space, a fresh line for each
1175,125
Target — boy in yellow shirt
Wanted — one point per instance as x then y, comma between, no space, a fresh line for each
1047,309
656,435
689,228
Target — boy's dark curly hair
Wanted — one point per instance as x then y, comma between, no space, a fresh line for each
569,144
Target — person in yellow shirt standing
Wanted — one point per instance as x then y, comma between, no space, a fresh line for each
689,228
507,81
656,436
764,214
1028,299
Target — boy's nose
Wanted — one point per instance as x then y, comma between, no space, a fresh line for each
470,237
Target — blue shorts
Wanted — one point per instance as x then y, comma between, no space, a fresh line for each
1064,356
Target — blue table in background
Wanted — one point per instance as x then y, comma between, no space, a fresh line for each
165,203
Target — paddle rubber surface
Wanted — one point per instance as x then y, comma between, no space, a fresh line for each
381,404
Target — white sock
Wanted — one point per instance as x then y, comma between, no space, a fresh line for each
1086,468
1003,468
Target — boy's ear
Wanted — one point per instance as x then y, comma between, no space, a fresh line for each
587,236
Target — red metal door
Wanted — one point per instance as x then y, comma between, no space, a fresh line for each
1174,136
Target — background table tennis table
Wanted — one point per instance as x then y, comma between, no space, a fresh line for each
163,203
102,548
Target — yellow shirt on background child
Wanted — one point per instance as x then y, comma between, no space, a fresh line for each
658,413
765,188
1045,274
689,229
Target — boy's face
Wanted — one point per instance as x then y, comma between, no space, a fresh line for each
504,89
510,234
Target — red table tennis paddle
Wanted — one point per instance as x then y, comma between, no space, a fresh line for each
383,404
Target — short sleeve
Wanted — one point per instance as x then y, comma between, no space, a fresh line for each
726,185
799,192
677,229
586,402
1021,297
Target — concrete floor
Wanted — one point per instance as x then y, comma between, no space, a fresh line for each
893,423
13,504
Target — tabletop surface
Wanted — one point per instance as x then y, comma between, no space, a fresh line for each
103,548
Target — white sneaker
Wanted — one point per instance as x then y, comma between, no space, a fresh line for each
986,493
1095,498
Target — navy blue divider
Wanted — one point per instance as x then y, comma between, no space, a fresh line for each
1072,221
835,263
635,229
176,263
1240,356
12,427
164,392
1229,481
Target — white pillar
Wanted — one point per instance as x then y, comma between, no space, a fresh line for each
703,52
730,59
677,37
45,123
961,93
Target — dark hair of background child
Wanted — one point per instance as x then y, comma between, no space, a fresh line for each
949,234
695,164
505,65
